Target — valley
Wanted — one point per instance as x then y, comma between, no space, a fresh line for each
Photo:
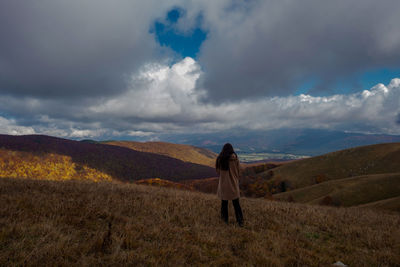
250,157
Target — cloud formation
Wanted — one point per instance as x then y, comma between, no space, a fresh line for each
162,99
258,48
94,68
74,49
9,126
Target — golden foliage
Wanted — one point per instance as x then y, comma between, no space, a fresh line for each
18,164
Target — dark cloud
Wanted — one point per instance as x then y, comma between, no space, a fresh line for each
73,48
273,47
94,67
90,48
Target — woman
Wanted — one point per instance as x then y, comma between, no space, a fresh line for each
227,166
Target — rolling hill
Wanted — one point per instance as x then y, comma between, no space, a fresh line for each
386,204
354,191
185,153
368,176
81,223
358,161
351,177
46,157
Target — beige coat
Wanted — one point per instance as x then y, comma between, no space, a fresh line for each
228,185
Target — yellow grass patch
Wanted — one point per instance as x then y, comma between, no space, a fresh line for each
19,164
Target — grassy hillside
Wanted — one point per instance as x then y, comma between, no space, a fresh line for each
84,223
388,204
39,156
164,183
183,152
366,160
350,191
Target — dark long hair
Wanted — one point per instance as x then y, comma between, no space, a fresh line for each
222,162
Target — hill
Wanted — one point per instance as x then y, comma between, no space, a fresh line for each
372,190
366,160
86,224
46,157
388,204
185,153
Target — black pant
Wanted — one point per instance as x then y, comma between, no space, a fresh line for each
238,211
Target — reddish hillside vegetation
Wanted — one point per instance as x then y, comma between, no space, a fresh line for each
31,156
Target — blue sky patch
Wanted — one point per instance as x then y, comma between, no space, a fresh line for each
383,75
364,81
184,44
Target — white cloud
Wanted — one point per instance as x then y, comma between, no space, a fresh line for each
164,99
9,126
157,92
67,79
169,95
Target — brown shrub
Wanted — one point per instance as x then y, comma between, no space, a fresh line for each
329,201
320,178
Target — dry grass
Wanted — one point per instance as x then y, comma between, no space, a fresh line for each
388,204
351,191
365,160
185,153
86,223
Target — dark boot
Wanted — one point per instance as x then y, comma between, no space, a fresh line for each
224,211
238,212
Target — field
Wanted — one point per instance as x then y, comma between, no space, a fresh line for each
85,223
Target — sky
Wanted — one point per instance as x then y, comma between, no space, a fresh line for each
104,69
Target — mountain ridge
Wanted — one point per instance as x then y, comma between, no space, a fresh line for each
118,162
300,141
185,153
356,161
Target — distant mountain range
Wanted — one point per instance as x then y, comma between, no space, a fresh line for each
310,142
